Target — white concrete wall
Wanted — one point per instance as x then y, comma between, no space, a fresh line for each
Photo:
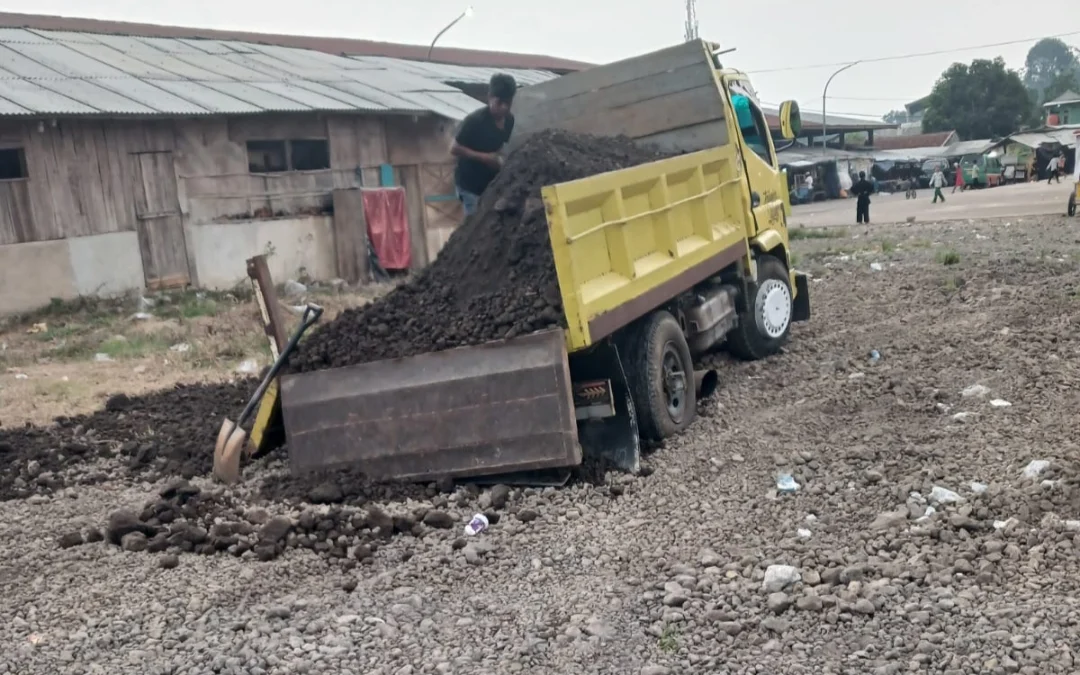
222,249
106,264
32,274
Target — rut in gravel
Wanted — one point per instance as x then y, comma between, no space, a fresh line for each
494,279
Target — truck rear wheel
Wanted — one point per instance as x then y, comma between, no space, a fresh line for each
766,324
660,375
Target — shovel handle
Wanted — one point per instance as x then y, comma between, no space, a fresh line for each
310,317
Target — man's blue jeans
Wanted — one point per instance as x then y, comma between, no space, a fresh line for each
468,200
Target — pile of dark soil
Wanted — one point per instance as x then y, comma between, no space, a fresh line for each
171,432
494,279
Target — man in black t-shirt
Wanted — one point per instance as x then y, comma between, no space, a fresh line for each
478,141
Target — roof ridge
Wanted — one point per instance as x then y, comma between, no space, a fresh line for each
330,45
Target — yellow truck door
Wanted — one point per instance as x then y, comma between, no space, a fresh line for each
767,193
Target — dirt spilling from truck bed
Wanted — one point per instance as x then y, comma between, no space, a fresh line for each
494,279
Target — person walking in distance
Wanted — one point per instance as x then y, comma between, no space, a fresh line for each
482,135
959,177
937,181
1053,169
862,191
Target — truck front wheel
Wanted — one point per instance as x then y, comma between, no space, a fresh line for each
766,324
660,374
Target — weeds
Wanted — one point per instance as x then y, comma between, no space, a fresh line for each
887,246
798,233
948,257
669,640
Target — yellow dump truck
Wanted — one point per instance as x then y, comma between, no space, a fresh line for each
656,264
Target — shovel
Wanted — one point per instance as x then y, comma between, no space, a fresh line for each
232,437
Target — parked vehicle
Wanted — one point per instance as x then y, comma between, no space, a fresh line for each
655,263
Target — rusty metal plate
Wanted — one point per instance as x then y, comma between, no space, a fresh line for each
497,408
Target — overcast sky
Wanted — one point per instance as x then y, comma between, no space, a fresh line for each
775,35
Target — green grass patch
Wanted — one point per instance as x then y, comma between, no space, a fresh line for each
948,257
798,233
669,640
887,246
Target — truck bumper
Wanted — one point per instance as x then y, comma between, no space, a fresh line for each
801,305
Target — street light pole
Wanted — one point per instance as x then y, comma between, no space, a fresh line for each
824,118
466,13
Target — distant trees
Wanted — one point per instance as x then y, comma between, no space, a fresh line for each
895,117
981,100
1048,61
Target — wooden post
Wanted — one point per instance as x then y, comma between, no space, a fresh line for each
414,202
266,296
350,235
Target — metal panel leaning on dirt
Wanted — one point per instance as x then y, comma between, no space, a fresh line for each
473,411
627,241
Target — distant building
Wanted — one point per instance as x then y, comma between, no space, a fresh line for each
1063,110
905,142
132,161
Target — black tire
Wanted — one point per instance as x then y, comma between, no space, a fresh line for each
657,358
764,328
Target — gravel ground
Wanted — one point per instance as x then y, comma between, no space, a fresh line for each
700,566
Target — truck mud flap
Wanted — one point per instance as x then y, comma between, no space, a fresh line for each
498,408
614,440
800,310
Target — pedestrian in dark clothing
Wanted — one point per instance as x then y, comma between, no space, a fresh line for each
862,191
479,140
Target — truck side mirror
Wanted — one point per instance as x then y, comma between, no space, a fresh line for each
790,120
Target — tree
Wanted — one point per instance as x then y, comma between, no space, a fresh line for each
895,117
1064,82
983,100
1046,60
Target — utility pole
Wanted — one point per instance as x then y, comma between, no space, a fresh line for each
691,20
824,119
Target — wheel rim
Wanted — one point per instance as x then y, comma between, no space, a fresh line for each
774,307
674,382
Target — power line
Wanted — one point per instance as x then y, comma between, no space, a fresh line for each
914,54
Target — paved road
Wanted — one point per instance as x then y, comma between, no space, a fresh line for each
1009,201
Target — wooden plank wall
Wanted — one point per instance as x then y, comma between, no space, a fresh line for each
78,173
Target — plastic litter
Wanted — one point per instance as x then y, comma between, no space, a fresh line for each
1035,468
942,495
248,366
875,356
478,524
180,347
1000,403
786,483
975,391
877,267
804,533
102,357
979,488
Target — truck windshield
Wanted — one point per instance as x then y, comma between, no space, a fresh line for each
751,125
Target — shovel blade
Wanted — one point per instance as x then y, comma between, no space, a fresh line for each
227,456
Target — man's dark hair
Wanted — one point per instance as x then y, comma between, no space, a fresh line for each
862,174
502,87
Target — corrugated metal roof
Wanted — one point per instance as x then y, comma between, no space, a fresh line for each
451,73
68,73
